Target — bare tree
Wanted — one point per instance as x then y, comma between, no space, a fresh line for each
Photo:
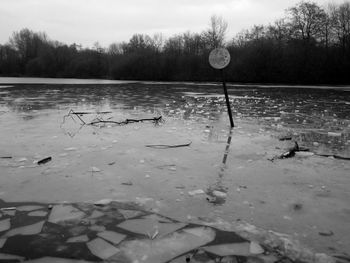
116,48
340,17
306,20
215,34
158,41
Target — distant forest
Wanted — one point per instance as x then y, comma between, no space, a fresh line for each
309,45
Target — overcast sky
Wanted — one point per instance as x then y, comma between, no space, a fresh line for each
107,21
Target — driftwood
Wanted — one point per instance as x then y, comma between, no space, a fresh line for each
45,160
127,121
334,156
166,146
96,121
291,153
87,112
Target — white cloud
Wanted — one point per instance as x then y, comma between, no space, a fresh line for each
106,21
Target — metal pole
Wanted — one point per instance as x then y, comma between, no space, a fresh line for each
227,99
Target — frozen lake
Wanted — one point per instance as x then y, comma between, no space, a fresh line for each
303,196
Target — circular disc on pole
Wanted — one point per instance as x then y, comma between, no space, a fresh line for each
219,58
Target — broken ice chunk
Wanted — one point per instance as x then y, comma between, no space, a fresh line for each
2,242
196,192
5,224
255,248
166,248
159,218
233,249
101,248
26,230
38,213
83,238
96,214
219,194
8,212
62,213
103,202
130,213
148,226
94,169
28,208
334,134
111,236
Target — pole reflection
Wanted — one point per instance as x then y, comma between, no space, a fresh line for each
217,192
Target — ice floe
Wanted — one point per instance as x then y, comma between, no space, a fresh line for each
5,224
101,248
26,230
112,236
148,226
166,248
61,213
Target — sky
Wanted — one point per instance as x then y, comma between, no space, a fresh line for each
106,21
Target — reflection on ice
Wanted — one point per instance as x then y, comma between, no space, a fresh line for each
151,226
166,248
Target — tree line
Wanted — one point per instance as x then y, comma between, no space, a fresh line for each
310,45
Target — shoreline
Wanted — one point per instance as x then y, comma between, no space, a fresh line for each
77,81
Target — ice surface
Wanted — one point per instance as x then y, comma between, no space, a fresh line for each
111,236
183,259
255,248
69,149
77,230
26,230
38,213
219,194
62,213
129,213
196,192
9,212
233,249
28,208
10,257
97,228
103,202
101,248
158,218
148,226
166,248
95,214
304,154
83,238
55,260
94,169
5,224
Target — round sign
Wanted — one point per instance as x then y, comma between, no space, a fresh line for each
219,58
